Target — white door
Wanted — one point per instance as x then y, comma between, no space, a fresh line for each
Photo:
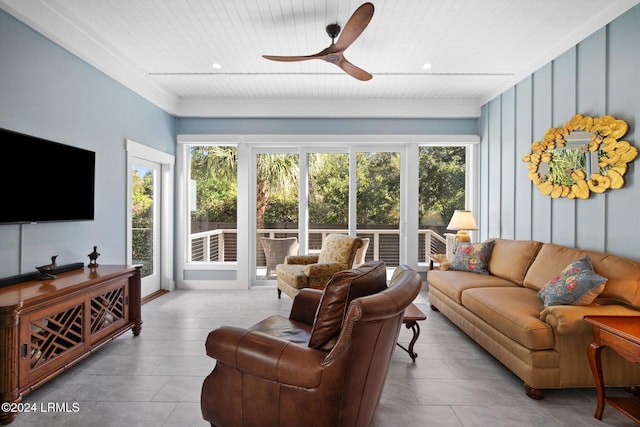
145,222
150,216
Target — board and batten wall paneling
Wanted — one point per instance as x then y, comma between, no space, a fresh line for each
482,217
623,205
523,188
591,77
508,159
542,120
494,166
563,219
598,76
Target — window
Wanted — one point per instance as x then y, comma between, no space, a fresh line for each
212,200
442,190
392,192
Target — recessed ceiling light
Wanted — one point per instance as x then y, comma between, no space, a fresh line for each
426,66
216,66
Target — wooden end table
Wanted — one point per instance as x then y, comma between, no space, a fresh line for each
621,334
412,315
436,258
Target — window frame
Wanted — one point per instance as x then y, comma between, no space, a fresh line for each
238,275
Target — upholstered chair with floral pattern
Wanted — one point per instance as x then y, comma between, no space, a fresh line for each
314,271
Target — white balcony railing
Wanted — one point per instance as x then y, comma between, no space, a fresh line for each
220,245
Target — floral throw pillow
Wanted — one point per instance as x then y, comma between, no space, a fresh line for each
472,257
577,284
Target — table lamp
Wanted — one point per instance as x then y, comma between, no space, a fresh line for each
462,221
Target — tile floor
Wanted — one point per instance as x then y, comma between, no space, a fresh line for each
155,379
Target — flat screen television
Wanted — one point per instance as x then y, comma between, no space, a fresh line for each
44,181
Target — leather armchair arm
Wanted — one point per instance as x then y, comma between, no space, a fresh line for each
305,305
267,357
328,269
301,259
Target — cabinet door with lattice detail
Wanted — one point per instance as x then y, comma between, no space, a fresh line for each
50,338
108,309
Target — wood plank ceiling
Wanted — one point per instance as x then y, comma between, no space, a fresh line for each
476,48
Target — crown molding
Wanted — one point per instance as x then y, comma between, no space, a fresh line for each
329,107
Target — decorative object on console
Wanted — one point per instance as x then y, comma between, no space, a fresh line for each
46,271
583,156
577,284
472,257
34,275
462,221
93,257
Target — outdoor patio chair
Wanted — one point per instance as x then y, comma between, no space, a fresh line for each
276,250
361,253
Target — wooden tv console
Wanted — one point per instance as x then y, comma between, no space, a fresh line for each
47,326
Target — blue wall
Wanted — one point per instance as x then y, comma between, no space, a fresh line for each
331,126
48,92
598,76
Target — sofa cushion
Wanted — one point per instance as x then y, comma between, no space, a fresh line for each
510,259
549,262
577,284
472,257
344,287
514,311
453,283
623,278
293,274
623,274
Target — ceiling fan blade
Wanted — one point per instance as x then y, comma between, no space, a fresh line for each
354,26
353,70
291,58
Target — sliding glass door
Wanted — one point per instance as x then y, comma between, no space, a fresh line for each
277,178
310,193
398,195
328,196
378,208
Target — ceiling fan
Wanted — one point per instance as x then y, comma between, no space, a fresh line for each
335,53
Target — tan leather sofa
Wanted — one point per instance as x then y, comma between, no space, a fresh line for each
545,347
324,365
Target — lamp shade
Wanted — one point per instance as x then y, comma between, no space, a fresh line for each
462,220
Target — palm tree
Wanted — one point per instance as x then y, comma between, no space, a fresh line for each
220,164
277,171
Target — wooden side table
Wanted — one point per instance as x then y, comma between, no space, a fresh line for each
436,258
412,315
621,334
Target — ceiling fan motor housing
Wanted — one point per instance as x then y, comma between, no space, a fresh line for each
333,30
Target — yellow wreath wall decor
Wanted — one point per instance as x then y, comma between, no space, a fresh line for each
564,174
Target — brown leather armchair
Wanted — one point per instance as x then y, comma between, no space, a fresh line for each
325,365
